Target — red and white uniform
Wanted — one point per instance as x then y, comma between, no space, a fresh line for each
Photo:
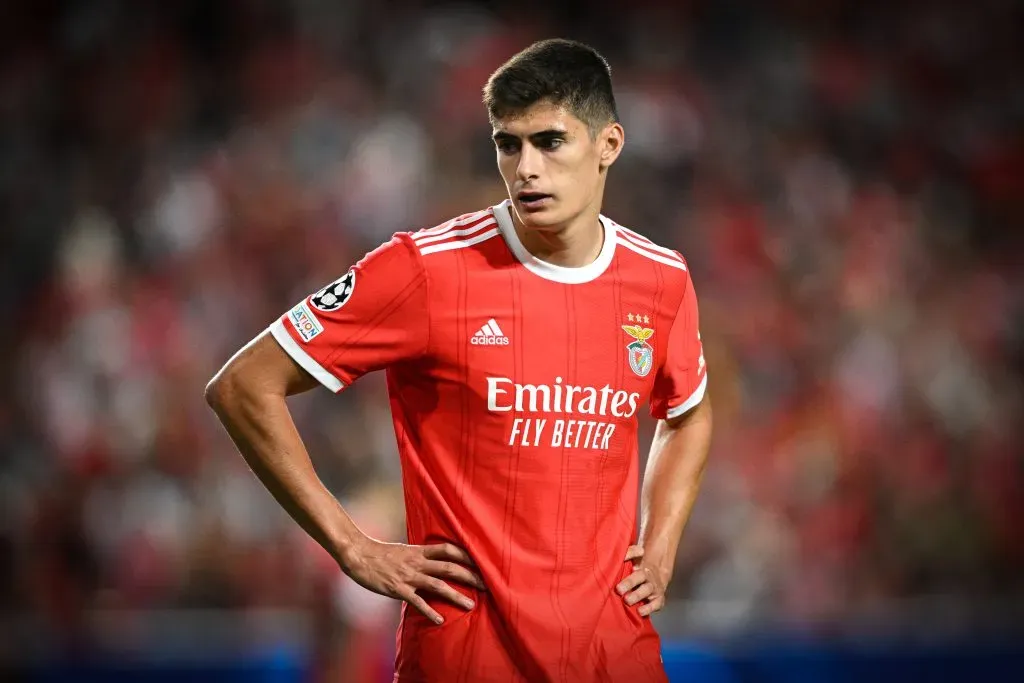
514,387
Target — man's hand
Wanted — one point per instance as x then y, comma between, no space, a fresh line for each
647,583
399,571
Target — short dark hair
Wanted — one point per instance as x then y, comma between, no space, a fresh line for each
564,72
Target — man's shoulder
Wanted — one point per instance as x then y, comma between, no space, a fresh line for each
462,232
646,253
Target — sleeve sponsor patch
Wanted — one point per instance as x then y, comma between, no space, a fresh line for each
304,322
335,295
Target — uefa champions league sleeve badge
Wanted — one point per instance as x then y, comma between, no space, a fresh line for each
335,295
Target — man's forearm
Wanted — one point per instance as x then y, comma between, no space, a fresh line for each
263,430
671,482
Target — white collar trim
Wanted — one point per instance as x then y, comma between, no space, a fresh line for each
549,271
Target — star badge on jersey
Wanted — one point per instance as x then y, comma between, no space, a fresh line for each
639,352
335,295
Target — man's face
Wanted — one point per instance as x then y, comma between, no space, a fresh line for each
551,165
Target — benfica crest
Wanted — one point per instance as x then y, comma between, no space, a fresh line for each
639,352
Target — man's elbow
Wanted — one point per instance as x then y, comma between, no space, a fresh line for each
261,371
223,388
215,391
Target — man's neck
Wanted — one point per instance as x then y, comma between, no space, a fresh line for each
574,245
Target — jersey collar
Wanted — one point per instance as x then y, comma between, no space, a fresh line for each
549,271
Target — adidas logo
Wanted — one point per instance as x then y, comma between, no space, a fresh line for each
489,335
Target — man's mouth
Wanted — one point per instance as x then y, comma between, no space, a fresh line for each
529,199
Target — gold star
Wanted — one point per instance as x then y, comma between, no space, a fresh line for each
630,316
647,321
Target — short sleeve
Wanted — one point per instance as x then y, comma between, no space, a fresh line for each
373,316
682,380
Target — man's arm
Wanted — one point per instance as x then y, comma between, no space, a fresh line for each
248,395
671,482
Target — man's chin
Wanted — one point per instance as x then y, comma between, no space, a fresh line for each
538,220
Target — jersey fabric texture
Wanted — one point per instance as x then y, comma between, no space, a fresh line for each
514,386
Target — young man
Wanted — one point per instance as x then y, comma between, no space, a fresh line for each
519,343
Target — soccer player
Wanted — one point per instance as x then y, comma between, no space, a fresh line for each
519,342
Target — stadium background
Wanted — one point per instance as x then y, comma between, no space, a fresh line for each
846,179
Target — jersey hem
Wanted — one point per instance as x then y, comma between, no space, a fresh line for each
696,397
292,348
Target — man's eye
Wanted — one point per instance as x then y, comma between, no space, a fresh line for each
507,147
553,143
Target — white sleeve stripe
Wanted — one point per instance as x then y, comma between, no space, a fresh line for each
696,397
675,263
448,225
420,241
292,348
642,241
459,244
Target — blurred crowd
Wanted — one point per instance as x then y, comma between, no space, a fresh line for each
845,178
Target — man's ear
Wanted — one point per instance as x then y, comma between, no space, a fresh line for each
611,139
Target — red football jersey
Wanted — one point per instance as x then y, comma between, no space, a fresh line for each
514,387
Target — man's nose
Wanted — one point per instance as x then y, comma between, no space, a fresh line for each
529,163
